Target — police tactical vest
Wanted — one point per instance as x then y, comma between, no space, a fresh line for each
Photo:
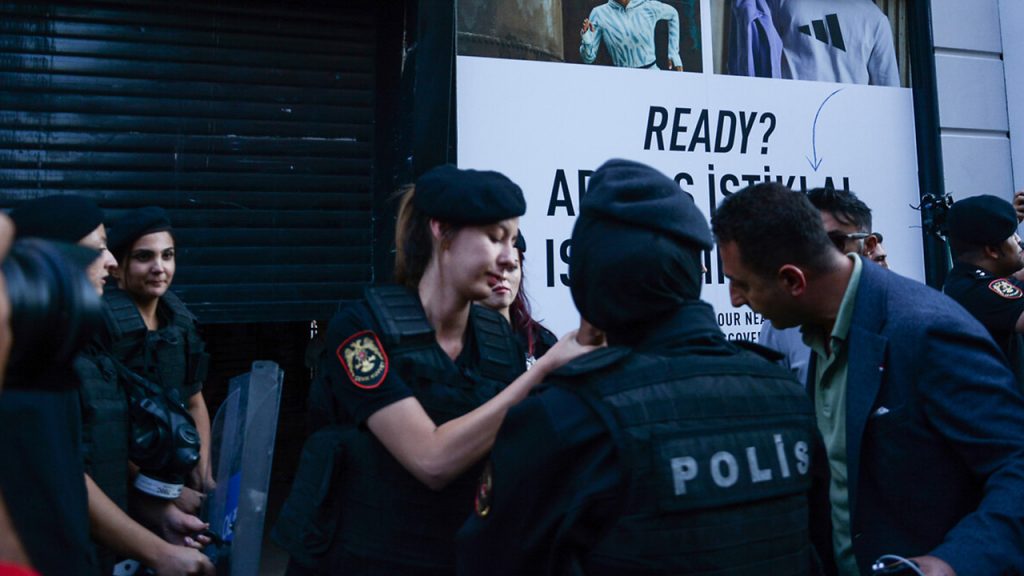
387,514
104,432
717,455
104,425
173,356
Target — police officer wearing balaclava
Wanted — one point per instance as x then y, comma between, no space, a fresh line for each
988,276
671,451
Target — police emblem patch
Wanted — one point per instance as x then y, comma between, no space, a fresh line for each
482,502
1005,289
363,359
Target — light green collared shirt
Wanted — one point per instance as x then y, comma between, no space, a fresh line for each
830,408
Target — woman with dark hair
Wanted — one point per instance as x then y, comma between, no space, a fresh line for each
155,336
100,417
510,300
418,381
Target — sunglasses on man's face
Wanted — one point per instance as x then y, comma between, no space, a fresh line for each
840,239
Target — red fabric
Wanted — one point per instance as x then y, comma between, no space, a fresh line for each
12,570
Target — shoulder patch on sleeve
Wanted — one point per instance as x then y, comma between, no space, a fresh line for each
1005,289
364,359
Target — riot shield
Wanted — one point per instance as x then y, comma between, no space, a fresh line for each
243,433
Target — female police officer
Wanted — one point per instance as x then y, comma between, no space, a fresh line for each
155,335
509,299
421,379
104,434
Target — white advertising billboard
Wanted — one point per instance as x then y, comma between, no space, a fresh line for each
549,125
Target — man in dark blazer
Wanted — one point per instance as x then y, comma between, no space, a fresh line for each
922,423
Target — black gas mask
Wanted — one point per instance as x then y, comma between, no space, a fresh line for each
163,441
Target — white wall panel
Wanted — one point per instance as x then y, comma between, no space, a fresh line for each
967,24
1012,12
972,92
976,164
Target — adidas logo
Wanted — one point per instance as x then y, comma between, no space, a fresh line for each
825,29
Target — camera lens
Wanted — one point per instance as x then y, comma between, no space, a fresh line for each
54,307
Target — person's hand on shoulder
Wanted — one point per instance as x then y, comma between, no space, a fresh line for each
571,346
589,335
1018,204
588,26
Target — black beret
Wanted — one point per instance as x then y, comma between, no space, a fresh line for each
468,196
61,218
982,220
636,247
636,194
134,225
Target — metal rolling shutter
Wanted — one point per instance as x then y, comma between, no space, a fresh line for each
251,121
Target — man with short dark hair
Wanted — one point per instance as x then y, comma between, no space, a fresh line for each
847,223
923,427
988,276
